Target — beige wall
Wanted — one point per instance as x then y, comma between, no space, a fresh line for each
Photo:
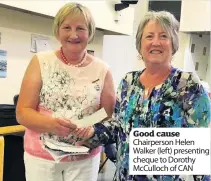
103,12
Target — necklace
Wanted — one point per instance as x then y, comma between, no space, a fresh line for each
64,59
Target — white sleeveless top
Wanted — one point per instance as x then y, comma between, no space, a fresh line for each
66,92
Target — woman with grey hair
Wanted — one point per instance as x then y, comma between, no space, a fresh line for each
159,96
60,87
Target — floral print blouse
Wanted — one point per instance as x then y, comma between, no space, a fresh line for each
180,101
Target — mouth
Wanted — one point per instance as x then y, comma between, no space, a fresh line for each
74,42
156,52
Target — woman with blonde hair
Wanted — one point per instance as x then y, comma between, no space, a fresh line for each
59,87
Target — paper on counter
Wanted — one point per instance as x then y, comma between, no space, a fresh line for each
92,119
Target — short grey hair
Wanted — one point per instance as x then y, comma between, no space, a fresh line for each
75,9
168,23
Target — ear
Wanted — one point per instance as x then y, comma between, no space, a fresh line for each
56,34
90,39
140,57
57,37
140,54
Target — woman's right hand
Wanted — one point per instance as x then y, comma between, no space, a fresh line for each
62,127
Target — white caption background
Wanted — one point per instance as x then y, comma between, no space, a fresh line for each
169,151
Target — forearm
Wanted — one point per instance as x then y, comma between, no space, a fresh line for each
33,120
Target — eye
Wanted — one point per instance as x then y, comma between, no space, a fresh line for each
149,36
66,27
81,28
164,36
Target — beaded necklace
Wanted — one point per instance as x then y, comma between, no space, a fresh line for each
64,59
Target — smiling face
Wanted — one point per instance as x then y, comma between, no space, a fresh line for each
73,34
156,44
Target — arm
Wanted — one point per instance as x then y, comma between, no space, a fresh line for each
197,108
108,94
107,132
28,101
196,104
107,101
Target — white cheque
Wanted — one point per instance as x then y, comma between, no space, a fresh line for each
91,119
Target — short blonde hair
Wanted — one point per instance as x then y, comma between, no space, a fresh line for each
75,10
168,23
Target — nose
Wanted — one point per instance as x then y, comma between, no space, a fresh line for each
73,34
156,41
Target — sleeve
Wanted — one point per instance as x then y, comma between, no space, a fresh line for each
107,132
196,104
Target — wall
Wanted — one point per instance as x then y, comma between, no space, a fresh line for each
208,76
199,11
140,9
120,54
16,29
197,56
179,57
102,10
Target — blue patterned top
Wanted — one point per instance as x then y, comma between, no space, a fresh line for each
180,101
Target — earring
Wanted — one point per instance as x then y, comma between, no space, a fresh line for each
140,57
172,58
